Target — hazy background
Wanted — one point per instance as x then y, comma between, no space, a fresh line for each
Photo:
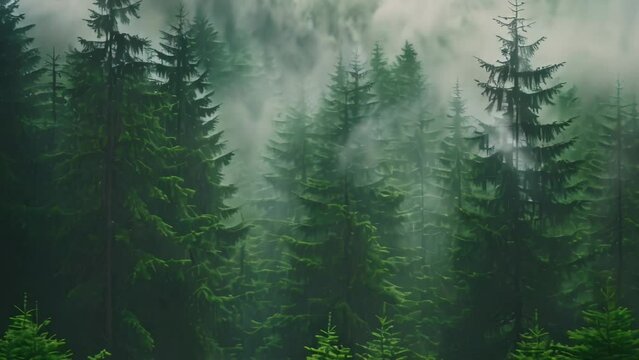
300,40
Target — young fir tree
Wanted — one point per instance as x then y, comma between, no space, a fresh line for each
20,72
608,334
203,234
328,346
337,262
27,338
535,344
385,344
514,254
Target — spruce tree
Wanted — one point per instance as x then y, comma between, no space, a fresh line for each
212,52
337,260
227,66
111,168
610,215
385,344
26,338
514,255
57,107
412,138
456,150
535,344
442,187
608,334
202,230
19,61
290,163
381,77
328,346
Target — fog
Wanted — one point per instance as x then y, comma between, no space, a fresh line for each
303,38
464,226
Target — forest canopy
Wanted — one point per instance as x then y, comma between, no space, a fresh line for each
294,180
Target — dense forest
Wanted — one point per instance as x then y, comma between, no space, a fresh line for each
143,217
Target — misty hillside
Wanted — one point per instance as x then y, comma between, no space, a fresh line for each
335,179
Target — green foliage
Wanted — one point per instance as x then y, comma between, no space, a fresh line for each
112,162
328,347
202,223
385,344
608,334
113,200
535,344
290,162
26,339
224,68
103,354
513,252
19,145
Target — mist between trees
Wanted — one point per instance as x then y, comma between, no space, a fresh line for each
145,217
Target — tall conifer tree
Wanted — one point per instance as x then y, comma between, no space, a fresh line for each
202,230
514,256
111,168
20,64
337,261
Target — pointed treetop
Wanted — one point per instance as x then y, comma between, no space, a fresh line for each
111,13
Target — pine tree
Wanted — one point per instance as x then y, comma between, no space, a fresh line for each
608,334
328,347
225,68
56,98
514,255
408,80
611,211
631,249
535,344
608,220
18,94
381,77
443,186
111,168
209,49
203,234
385,344
290,163
456,151
26,338
412,141
337,262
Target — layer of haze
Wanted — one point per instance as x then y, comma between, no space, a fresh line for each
302,38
